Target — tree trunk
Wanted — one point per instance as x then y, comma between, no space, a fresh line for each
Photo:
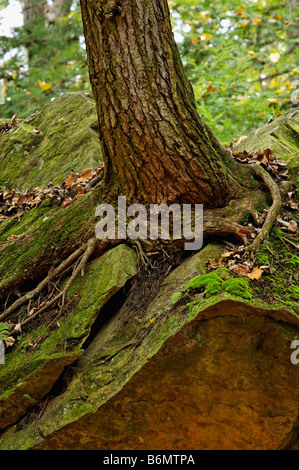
292,4
33,11
156,147
58,9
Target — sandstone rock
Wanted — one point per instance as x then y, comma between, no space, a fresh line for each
208,373
67,139
281,136
28,373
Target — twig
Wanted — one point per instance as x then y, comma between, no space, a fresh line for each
146,262
291,243
46,401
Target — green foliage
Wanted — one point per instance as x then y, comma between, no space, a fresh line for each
42,63
242,60
3,4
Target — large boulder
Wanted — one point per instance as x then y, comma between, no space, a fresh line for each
281,136
192,370
49,144
24,382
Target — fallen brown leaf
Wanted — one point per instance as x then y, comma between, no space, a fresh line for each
255,274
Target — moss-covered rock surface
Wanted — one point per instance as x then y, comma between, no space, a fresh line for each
180,356
49,144
31,371
126,343
281,136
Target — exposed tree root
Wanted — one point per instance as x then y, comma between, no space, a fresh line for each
273,211
43,284
142,256
89,248
223,222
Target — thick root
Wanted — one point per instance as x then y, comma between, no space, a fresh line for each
273,211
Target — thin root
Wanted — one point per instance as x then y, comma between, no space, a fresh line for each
43,284
90,246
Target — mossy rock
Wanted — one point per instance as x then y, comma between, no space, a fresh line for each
120,354
45,232
28,374
67,138
281,136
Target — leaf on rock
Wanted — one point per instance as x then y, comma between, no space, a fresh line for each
241,269
255,274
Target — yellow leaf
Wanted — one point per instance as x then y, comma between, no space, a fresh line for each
44,85
255,274
256,21
206,36
240,11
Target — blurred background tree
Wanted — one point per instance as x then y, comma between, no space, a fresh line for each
43,58
242,58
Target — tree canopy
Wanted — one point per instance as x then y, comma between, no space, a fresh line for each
241,58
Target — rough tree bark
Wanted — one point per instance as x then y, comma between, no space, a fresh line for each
292,4
35,10
156,147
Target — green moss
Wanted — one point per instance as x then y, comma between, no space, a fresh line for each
292,262
43,237
68,140
176,297
244,217
204,281
281,286
281,136
220,280
103,277
263,256
238,287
